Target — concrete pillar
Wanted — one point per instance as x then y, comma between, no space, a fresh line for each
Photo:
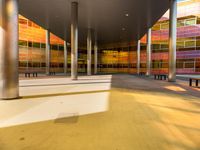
89,52
48,52
9,78
95,56
65,57
74,40
148,63
172,40
138,57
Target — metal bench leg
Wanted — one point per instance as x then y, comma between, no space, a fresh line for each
190,82
197,82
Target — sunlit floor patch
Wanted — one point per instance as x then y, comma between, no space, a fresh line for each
138,113
175,88
61,99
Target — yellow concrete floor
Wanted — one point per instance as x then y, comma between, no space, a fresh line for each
143,114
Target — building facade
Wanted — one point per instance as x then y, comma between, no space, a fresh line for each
32,50
120,58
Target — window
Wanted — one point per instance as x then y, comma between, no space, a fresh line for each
134,65
179,64
164,26
35,64
30,44
180,23
190,22
22,64
164,64
29,23
156,46
61,65
180,44
54,47
156,27
164,46
43,45
43,64
198,43
198,20
189,64
143,47
143,65
125,65
22,43
61,47
156,63
36,45
35,25
190,43
22,21
125,49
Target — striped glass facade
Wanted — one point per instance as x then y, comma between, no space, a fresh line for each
120,58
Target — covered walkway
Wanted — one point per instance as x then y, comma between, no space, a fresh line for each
123,112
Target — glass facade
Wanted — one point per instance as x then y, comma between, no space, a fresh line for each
188,45
32,49
120,59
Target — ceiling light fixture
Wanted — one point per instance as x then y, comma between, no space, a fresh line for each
126,14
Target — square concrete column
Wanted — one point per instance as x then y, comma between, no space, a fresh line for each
172,40
9,75
74,40
89,52
95,56
48,52
138,57
65,57
148,63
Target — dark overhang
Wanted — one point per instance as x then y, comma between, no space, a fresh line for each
112,20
